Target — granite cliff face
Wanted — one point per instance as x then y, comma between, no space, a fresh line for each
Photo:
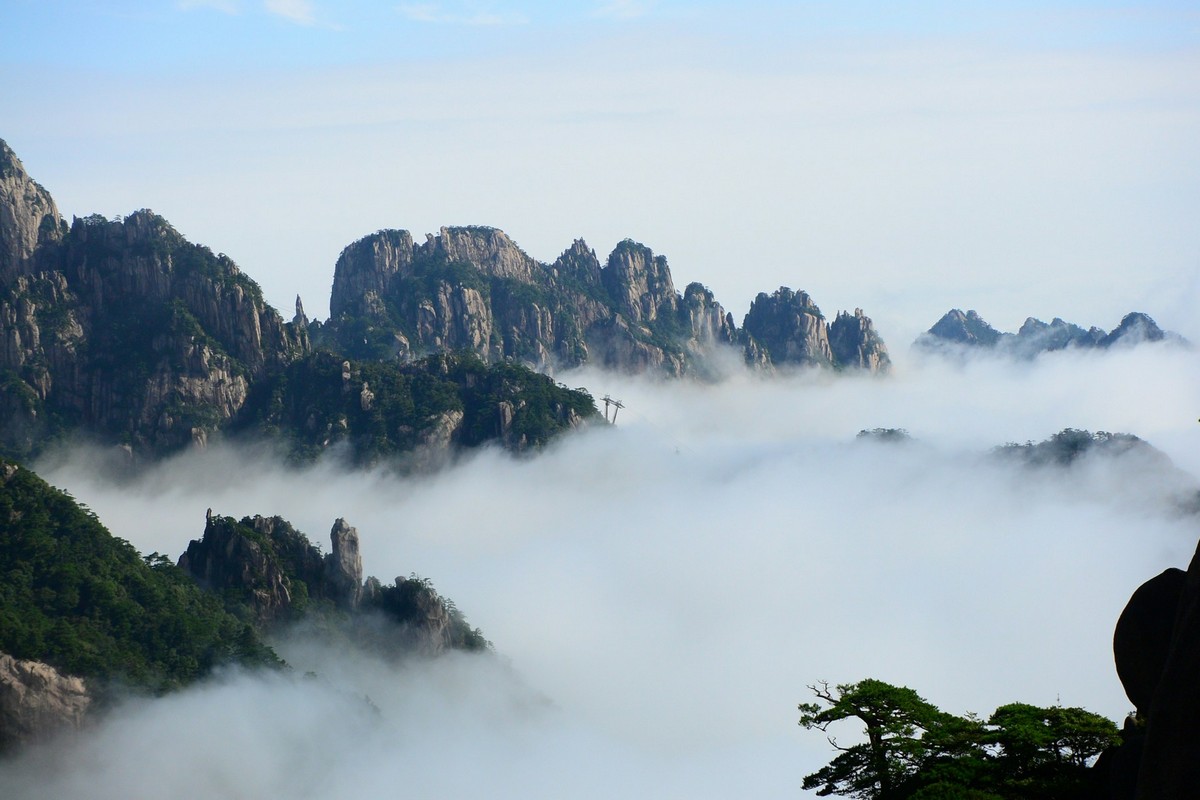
273,568
122,327
124,332
855,343
273,571
473,289
28,218
37,701
956,332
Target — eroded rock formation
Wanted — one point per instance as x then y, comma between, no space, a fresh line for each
122,326
474,289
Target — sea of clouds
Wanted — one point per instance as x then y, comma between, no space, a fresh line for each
660,593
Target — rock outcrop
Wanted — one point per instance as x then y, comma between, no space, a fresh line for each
270,568
343,566
124,333
473,289
28,217
957,332
1156,647
243,561
789,328
855,343
1170,765
1134,328
37,701
122,327
967,329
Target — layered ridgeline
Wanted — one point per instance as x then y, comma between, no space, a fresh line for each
84,617
957,331
124,332
474,289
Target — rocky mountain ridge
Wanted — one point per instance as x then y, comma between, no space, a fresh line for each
957,330
473,288
123,332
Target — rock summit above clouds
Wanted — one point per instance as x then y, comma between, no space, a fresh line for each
959,332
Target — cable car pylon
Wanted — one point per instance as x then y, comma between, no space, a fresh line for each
617,405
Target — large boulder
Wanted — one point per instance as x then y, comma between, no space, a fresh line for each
1171,761
1156,647
1142,641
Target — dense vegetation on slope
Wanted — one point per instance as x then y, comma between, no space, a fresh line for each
1070,444
76,597
381,409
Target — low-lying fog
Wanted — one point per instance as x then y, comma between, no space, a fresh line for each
661,593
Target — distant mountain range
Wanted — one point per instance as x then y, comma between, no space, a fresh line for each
957,330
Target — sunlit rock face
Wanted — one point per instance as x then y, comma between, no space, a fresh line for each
36,701
124,332
343,566
855,344
474,289
789,329
122,326
28,217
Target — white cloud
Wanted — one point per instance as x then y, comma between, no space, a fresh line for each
671,585
301,12
436,14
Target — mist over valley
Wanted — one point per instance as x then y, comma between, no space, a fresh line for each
660,592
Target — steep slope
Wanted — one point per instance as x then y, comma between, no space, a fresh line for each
122,328
375,410
28,217
77,598
85,618
123,332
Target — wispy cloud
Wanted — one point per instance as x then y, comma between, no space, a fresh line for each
301,12
435,13
623,9
224,6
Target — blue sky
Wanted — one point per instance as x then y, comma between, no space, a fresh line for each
219,35
1020,158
